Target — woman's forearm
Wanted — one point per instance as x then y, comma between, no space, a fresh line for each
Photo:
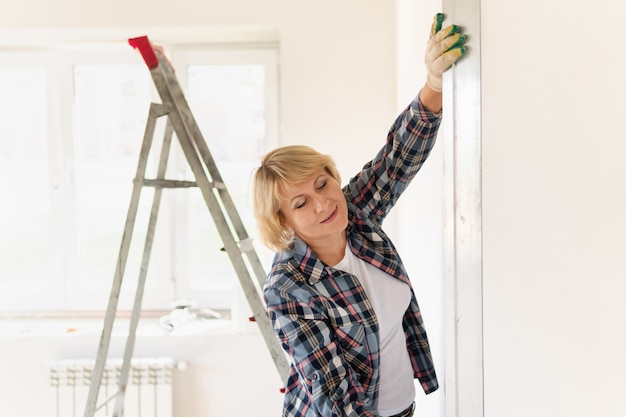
431,99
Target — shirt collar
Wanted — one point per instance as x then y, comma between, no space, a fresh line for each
310,265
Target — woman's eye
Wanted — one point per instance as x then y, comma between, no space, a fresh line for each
321,185
299,204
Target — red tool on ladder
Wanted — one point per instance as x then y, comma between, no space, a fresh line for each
237,243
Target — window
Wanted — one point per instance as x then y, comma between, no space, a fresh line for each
72,122
227,92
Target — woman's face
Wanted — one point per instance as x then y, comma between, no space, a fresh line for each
316,209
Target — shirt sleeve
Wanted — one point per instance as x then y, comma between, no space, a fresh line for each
379,184
316,352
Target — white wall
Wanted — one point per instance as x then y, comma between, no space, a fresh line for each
554,198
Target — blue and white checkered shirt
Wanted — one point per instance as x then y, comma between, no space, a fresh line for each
322,315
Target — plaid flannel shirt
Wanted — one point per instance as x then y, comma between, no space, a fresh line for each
322,315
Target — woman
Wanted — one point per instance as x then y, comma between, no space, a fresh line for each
338,296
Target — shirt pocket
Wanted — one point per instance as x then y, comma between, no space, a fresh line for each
352,342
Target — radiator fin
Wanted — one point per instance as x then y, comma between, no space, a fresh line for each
148,390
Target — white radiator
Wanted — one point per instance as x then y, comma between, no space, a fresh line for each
148,390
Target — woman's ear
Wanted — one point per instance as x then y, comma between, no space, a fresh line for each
283,220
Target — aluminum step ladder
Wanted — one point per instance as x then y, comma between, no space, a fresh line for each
237,243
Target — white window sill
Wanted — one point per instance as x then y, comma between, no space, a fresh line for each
147,328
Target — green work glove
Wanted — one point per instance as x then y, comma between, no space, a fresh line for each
444,48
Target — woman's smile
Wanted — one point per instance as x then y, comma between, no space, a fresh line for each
332,216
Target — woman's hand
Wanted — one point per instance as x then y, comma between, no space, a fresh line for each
161,50
445,47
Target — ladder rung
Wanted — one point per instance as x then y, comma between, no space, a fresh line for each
179,184
169,183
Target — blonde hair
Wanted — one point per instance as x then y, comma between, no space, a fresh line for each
281,169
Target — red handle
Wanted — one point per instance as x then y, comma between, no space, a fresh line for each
145,48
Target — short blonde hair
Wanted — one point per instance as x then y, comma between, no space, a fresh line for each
281,169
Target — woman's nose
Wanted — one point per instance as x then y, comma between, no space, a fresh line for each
318,203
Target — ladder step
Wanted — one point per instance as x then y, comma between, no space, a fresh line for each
168,183
156,183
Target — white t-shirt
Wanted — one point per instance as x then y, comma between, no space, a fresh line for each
390,299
